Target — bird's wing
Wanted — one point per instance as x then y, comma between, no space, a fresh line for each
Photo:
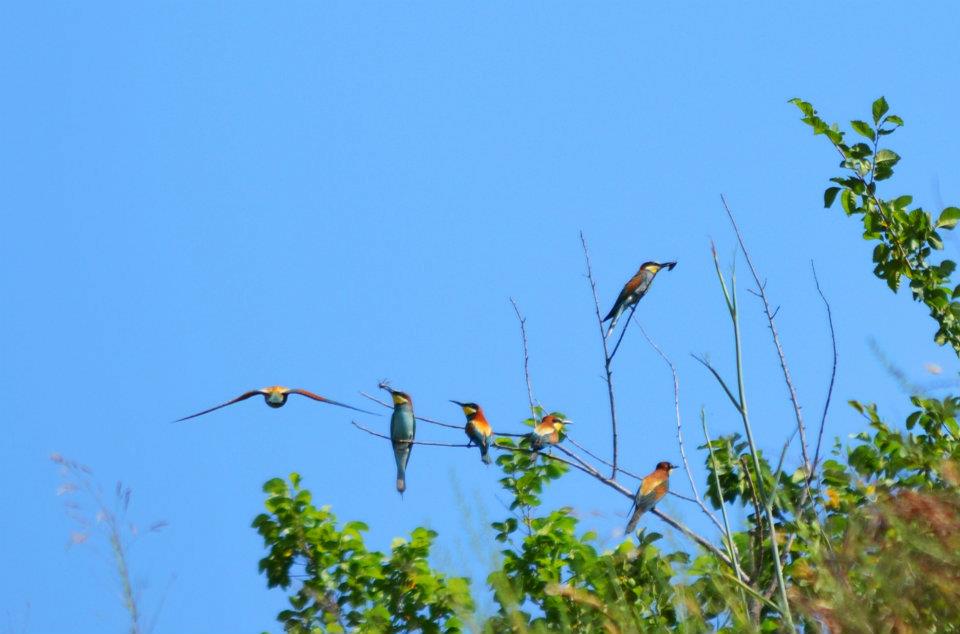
242,397
651,482
323,399
628,289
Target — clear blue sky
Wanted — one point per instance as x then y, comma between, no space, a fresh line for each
203,198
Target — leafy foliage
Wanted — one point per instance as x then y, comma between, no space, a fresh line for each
906,236
347,587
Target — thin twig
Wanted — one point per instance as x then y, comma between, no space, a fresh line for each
833,373
776,337
408,442
723,507
526,357
758,540
716,375
629,474
435,422
623,332
683,452
606,356
601,460
731,300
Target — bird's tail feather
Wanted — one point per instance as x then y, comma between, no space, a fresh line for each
401,481
485,454
634,519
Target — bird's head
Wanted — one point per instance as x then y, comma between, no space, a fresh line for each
470,409
654,267
556,420
666,466
401,398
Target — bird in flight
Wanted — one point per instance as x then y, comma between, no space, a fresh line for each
653,487
275,396
478,430
634,290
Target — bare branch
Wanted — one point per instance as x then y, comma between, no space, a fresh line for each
433,421
728,534
723,384
526,357
801,428
408,442
623,332
601,460
606,356
676,408
833,374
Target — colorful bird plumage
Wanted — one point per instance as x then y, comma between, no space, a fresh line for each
548,431
403,430
275,396
652,488
478,430
634,290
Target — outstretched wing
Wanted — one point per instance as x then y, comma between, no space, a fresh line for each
242,397
323,399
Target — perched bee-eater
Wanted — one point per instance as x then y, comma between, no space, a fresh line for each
635,289
547,431
477,428
403,428
275,396
652,488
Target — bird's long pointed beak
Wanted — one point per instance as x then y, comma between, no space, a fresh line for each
456,402
668,265
673,466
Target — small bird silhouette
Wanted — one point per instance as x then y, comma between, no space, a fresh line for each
275,396
634,290
653,487
403,429
478,430
547,432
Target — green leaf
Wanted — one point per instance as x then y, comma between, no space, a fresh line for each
849,201
887,156
829,195
880,108
895,120
863,129
805,107
949,218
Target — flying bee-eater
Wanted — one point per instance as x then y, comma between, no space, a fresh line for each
653,487
635,289
548,431
478,430
403,428
275,396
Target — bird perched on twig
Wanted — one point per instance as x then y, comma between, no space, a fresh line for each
547,432
275,396
634,290
403,429
653,487
478,430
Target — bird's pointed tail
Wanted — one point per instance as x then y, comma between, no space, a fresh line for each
634,519
485,454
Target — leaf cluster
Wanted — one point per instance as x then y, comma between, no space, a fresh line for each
906,235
